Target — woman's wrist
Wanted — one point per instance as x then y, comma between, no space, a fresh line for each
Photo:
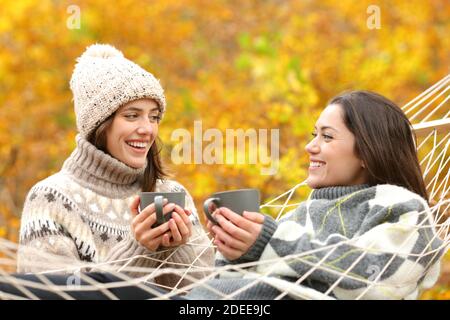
255,251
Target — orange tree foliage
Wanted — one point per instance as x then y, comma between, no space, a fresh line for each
231,64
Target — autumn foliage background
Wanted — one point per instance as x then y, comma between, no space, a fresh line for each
231,64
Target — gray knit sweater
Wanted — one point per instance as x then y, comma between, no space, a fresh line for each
343,242
81,214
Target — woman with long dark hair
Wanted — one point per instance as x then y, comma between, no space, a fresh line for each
367,217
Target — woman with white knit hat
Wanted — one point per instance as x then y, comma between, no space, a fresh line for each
88,211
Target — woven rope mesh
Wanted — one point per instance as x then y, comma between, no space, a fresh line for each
429,113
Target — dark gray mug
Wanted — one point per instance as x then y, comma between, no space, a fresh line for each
148,198
235,200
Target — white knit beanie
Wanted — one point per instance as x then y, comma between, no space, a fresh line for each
104,80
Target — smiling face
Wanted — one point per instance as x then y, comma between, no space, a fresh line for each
333,161
132,132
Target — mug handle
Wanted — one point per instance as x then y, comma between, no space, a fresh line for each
158,200
206,204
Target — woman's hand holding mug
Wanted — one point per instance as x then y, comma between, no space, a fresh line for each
150,234
235,225
234,234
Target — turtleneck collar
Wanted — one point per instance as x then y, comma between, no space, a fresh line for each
98,171
331,193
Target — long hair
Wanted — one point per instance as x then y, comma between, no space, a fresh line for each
384,140
154,169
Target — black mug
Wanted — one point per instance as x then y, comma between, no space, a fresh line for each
236,200
148,198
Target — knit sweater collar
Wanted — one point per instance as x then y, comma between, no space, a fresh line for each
331,193
98,171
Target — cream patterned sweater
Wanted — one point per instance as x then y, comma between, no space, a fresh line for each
81,214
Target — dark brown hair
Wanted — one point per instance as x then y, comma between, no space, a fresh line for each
154,170
384,140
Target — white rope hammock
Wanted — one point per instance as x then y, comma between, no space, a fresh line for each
430,115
